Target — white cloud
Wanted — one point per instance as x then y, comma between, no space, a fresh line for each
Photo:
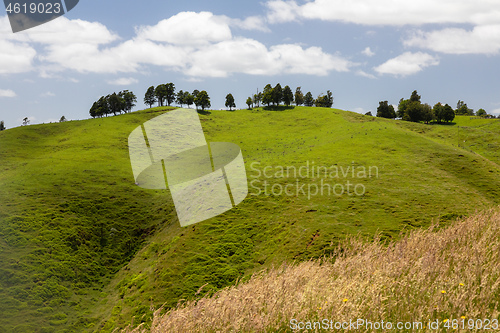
249,56
250,23
363,73
282,11
368,52
188,28
124,81
15,57
480,40
196,44
387,12
47,94
7,93
407,64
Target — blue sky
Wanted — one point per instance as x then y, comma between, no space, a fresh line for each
364,51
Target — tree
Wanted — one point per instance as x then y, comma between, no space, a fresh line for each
115,103
462,109
230,102
299,97
287,96
103,107
180,98
188,98
161,93
481,113
426,113
63,119
403,104
277,94
202,100
448,113
415,97
328,99
128,100
438,110
369,113
149,97
26,121
2,126
249,102
267,96
195,93
170,93
414,112
309,100
385,110
257,98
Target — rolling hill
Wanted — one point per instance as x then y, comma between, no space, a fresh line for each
85,249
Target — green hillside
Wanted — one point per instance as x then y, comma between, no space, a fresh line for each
85,249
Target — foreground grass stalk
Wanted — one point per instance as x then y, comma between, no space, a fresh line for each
427,275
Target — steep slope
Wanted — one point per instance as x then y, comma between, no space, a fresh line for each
72,220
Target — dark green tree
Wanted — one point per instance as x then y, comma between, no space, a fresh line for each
385,110
415,97
188,98
463,110
287,96
277,94
2,126
26,121
170,93
94,110
257,98
328,99
414,112
481,113
403,104
63,119
299,97
195,93
448,113
369,113
267,96
202,100
180,98
103,107
249,102
116,103
427,113
308,99
438,110
149,97
230,102
161,93
129,100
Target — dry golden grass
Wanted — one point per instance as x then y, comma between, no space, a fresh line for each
452,273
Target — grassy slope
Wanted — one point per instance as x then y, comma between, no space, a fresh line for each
449,277
64,187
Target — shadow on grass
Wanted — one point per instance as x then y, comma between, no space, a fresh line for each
204,112
278,108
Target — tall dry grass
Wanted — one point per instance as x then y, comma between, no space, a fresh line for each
452,273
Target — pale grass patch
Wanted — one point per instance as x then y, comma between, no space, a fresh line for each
452,273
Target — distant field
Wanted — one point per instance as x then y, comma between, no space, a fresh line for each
83,248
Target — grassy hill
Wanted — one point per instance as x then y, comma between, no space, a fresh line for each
82,248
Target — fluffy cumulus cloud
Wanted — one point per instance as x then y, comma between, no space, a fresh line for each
188,28
407,64
480,40
7,93
387,12
197,44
